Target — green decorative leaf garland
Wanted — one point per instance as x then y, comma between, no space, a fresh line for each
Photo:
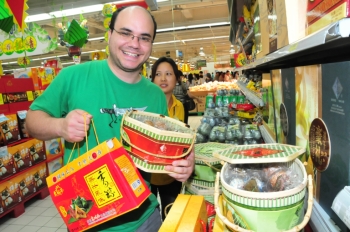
75,34
6,19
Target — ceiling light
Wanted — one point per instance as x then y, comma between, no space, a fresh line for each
232,50
68,12
194,26
201,52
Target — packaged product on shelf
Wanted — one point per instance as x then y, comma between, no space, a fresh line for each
39,173
21,156
9,128
36,150
21,116
53,148
97,186
10,195
7,166
54,165
324,12
26,184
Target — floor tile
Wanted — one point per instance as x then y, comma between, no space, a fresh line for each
45,203
2,226
36,211
55,222
33,202
50,212
30,229
23,220
8,220
40,221
63,227
12,228
61,230
47,229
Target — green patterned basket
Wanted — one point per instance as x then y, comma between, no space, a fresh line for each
259,153
268,199
263,211
204,152
153,148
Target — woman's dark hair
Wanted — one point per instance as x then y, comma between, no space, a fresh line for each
190,78
116,13
169,61
180,74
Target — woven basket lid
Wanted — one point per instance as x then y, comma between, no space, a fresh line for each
204,152
259,153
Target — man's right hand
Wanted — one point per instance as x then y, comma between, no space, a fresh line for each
75,125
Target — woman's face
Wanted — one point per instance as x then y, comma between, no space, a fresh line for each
165,77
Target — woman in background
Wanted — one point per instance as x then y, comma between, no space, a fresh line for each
166,75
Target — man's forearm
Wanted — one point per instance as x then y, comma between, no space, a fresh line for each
42,126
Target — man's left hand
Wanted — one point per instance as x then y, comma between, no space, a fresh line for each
182,169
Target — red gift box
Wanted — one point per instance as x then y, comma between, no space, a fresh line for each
96,187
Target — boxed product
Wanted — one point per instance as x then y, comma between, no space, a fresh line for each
97,186
39,173
26,184
55,165
21,156
45,77
22,115
15,85
9,128
18,97
3,107
10,195
36,150
21,73
53,148
321,13
188,213
7,167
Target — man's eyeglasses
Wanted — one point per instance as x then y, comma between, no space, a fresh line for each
128,35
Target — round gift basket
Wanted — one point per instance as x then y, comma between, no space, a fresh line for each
263,211
155,140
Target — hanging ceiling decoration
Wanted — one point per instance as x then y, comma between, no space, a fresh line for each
18,9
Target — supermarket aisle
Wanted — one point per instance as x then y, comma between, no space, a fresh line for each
42,216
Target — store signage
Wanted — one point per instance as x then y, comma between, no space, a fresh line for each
319,144
34,40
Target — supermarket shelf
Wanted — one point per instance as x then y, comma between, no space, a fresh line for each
22,171
250,95
266,134
19,208
330,44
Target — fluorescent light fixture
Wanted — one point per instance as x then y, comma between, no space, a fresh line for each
171,29
68,63
96,38
166,42
193,26
209,25
68,12
187,40
154,58
162,0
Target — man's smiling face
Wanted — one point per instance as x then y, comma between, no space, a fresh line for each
127,53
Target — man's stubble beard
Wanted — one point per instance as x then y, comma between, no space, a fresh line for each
117,62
